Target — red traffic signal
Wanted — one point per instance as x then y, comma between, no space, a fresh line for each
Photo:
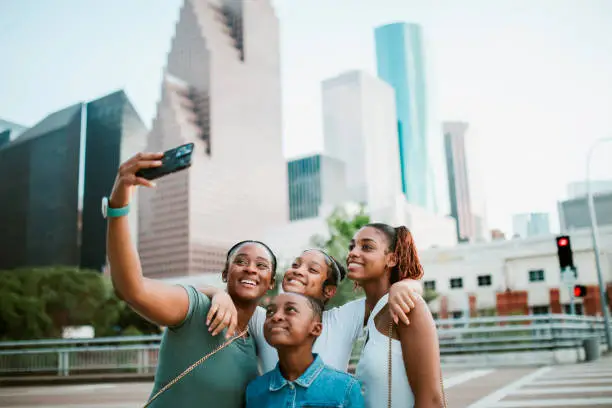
564,252
580,291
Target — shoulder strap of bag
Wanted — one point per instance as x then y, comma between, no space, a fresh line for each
390,373
194,365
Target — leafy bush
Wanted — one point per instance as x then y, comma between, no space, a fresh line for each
38,303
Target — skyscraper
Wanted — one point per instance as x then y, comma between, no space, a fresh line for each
315,181
574,213
9,131
359,128
458,180
530,224
60,169
401,63
221,91
579,189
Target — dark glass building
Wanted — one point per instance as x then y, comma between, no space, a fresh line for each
59,171
9,131
315,181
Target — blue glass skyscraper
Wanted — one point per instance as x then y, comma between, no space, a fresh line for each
401,63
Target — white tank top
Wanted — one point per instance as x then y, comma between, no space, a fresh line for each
372,369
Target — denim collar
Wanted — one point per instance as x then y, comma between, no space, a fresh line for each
278,381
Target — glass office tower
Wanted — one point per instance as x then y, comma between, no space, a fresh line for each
59,171
401,63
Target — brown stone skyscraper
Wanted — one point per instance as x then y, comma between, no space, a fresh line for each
221,91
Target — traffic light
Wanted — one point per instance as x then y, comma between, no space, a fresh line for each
564,251
580,291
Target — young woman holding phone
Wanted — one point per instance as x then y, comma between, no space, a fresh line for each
195,368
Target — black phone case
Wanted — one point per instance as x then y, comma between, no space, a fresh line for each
174,160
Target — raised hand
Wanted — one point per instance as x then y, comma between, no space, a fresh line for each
222,314
403,297
126,177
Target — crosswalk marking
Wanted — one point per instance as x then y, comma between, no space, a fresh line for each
593,374
572,381
563,390
493,398
579,385
461,378
570,402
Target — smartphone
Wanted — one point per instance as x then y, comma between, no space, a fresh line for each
174,160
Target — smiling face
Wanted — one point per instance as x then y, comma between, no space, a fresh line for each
249,273
291,320
369,257
308,274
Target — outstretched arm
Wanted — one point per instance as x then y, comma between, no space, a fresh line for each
421,353
161,303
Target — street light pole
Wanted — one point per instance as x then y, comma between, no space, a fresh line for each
594,237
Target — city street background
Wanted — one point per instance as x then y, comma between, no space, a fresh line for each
482,126
584,386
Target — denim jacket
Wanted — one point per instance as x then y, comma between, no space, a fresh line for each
319,386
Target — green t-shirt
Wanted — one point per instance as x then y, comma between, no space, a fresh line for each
220,381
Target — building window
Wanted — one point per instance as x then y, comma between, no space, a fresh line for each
457,314
578,306
540,310
429,285
536,275
456,283
484,280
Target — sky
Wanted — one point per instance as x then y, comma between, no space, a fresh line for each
533,78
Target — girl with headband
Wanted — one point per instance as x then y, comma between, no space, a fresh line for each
194,367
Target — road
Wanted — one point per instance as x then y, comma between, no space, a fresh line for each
582,385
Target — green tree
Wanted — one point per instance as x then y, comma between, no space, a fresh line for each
341,228
39,302
429,295
265,301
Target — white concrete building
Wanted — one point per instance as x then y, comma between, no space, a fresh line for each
483,271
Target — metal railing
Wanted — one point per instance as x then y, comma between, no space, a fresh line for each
139,354
517,333
507,334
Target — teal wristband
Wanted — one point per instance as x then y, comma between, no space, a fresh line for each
108,212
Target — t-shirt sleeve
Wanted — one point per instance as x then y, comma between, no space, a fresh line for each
354,397
348,318
199,304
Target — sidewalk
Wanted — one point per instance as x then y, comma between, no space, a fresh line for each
34,380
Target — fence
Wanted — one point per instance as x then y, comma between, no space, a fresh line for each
138,354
